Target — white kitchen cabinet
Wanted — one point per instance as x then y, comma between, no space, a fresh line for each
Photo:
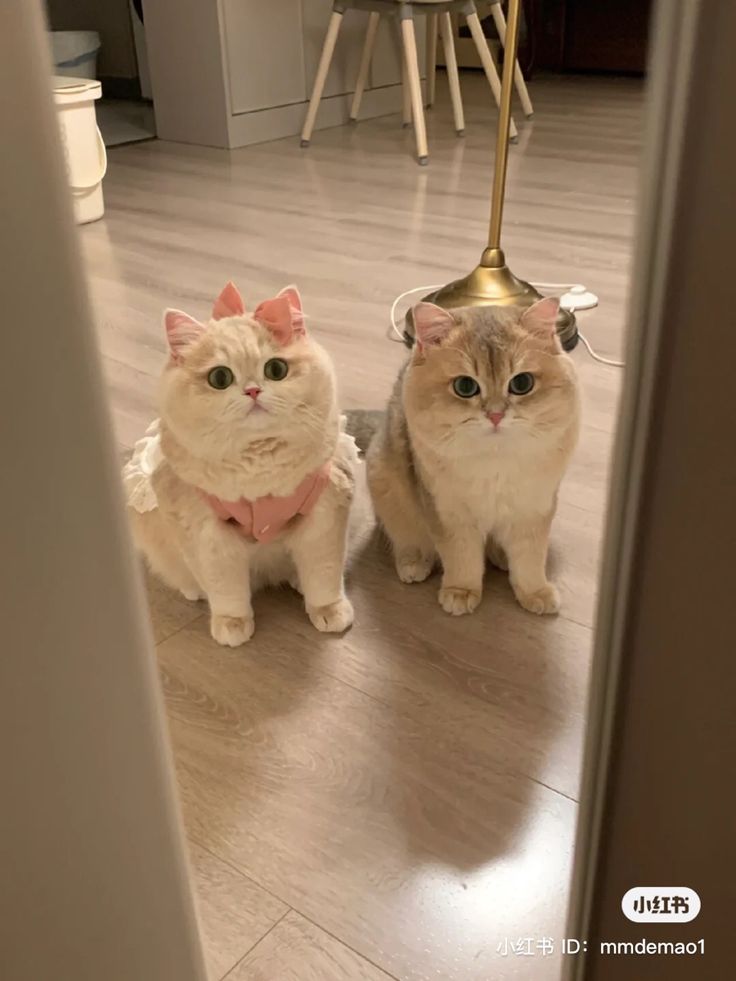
232,72
264,53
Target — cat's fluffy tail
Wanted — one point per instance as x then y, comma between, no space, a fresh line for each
362,424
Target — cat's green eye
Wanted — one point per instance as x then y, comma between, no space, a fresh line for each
465,386
522,383
220,378
276,369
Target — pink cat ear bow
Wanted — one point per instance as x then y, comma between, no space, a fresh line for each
229,303
283,315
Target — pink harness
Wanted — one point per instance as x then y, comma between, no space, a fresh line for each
266,517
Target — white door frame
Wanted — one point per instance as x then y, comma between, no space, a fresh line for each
94,877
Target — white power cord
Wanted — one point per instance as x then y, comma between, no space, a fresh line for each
397,301
599,357
575,297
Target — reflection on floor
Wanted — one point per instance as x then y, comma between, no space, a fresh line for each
125,121
398,802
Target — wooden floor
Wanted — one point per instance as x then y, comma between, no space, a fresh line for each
397,802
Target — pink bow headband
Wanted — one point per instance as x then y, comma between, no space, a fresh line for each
282,315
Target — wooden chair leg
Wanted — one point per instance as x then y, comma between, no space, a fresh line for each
325,60
414,82
432,24
489,66
365,64
405,91
523,92
453,76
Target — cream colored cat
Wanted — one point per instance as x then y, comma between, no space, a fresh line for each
247,478
475,441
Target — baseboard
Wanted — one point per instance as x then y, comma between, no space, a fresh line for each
274,124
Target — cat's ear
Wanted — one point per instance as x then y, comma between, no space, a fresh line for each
431,324
541,317
283,315
229,303
181,331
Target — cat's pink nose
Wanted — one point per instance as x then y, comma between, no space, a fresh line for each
254,391
496,417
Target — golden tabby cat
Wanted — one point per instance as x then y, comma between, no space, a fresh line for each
469,456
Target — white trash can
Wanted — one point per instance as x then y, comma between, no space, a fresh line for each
84,149
75,53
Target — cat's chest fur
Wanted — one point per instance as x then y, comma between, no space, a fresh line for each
493,488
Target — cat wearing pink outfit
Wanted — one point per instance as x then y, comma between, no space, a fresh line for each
247,479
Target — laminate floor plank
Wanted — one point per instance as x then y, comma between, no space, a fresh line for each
234,913
415,841
169,611
297,950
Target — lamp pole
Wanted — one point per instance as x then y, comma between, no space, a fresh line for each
492,283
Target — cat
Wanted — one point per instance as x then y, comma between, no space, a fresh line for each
467,460
247,478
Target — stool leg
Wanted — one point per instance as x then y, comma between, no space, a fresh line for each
489,66
328,50
365,64
405,92
526,102
415,85
453,76
431,58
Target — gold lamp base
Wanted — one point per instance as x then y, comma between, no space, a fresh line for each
493,284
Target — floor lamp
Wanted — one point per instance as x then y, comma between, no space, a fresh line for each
491,282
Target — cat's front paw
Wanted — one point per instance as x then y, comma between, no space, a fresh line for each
458,601
332,618
540,601
231,631
413,566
